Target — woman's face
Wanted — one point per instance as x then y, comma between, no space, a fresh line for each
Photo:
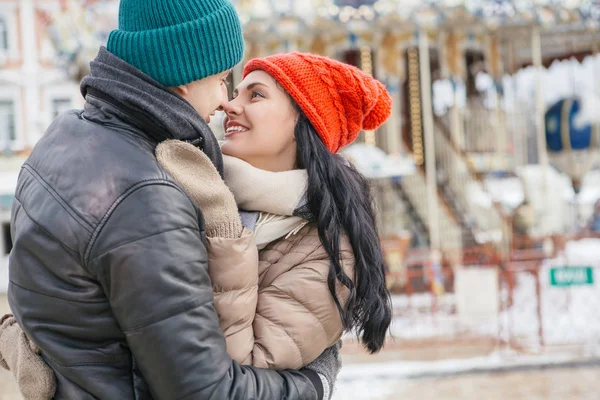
259,124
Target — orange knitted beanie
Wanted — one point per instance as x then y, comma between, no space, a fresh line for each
337,98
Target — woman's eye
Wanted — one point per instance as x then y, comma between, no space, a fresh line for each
256,94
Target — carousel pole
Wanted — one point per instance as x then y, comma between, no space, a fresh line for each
496,68
389,61
455,118
455,56
366,64
536,49
394,123
430,169
518,136
595,69
596,85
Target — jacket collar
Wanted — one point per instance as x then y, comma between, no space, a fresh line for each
119,94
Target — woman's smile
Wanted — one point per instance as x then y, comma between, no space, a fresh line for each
233,128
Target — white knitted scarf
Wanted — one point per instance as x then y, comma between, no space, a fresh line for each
274,195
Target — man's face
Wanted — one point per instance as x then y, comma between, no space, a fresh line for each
206,95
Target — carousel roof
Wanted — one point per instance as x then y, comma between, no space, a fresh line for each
569,27
294,17
435,14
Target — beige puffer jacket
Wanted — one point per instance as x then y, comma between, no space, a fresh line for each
277,313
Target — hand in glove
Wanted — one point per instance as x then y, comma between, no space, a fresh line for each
22,357
328,366
194,171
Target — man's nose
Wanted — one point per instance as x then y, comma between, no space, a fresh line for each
231,107
224,99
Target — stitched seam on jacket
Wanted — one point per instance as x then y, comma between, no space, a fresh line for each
286,332
296,251
129,115
234,290
82,364
44,230
298,390
171,313
281,291
117,202
247,323
119,127
255,389
142,238
54,297
84,224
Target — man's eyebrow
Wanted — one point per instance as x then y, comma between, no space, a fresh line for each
250,87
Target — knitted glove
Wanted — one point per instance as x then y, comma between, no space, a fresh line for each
194,171
22,357
328,366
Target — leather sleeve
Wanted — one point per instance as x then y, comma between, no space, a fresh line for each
151,261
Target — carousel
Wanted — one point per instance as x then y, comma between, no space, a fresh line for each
475,109
451,48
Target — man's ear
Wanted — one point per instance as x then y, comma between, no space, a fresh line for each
181,90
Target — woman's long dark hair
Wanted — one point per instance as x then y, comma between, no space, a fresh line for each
339,198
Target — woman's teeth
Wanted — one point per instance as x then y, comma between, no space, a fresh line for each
236,129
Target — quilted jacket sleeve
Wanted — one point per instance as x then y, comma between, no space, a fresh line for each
151,261
285,323
296,316
233,269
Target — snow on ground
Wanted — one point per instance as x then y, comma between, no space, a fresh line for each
531,383
501,360
569,314
380,381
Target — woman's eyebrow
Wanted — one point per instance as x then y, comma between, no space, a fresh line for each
250,87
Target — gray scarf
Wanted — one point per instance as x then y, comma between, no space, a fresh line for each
153,106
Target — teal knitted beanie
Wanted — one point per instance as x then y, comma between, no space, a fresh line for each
177,42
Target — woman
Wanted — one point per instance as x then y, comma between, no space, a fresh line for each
319,271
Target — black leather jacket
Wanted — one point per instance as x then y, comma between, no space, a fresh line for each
108,272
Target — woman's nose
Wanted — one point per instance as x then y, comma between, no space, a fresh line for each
231,107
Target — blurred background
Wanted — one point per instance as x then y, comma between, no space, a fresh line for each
486,177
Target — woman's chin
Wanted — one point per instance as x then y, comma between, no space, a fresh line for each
227,149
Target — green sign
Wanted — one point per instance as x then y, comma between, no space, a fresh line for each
571,276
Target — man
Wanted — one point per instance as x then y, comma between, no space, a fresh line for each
108,270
